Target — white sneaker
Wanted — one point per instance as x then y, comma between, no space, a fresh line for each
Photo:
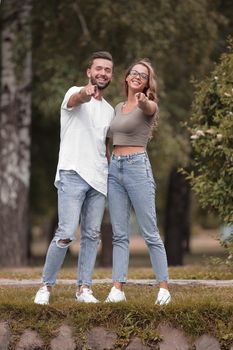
85,296
42,296
164,297
115,296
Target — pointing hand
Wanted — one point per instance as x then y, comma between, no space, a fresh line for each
91,90
141,98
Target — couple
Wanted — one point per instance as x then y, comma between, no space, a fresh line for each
87,120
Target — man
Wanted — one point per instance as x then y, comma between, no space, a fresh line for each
81,177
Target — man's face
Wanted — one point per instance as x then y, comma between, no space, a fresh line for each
100,73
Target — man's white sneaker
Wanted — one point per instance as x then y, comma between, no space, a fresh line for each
42,296
164,297
115,296
86,296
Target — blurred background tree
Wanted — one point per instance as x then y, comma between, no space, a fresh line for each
15,138
183,39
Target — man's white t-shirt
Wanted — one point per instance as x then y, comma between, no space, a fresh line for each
82,145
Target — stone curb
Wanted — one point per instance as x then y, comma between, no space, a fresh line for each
179,282
99,338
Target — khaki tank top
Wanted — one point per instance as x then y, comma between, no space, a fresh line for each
132,128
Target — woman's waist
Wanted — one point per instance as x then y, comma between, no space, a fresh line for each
127,150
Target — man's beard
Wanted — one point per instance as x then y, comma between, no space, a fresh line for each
100,87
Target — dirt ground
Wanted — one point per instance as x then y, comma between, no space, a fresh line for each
202,242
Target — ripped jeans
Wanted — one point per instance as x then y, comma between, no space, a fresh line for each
77,202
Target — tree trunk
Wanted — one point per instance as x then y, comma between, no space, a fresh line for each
177,218
15,120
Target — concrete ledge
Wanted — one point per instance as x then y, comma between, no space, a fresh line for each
99,338
179,282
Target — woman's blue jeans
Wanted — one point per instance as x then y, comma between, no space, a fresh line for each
131,183
77,202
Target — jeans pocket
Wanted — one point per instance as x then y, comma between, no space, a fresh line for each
68,180
149,170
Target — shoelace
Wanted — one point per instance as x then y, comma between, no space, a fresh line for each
163,301
115,292
163,298
86,290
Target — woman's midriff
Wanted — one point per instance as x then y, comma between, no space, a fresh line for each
125,150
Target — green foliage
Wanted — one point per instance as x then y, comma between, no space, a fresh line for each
66,32
228,244
211,127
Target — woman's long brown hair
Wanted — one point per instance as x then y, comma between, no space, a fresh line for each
150,90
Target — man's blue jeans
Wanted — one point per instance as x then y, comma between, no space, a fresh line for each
77,202
131,183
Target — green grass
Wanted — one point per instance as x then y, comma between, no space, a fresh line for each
196,310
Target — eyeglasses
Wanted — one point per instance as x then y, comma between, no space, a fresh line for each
135,73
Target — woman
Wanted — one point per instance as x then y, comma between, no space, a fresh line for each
131,181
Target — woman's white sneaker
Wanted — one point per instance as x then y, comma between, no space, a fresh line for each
164,297
86,296
115,296
42,296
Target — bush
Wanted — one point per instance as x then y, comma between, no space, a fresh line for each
211,128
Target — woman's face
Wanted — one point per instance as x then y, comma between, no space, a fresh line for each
138,78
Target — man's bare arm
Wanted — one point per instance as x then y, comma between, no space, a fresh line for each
83,96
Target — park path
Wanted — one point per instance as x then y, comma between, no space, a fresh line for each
178,282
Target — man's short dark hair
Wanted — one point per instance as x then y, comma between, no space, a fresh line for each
100,54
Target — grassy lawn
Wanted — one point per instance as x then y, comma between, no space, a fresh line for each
195,309
208,270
